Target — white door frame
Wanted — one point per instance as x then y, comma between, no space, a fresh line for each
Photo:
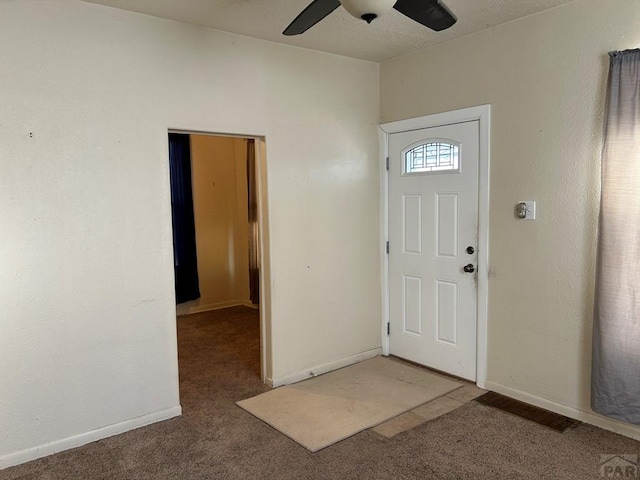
482,114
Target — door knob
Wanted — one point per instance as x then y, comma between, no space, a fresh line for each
470,250
469,268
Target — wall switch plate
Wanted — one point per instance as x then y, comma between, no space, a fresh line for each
529,210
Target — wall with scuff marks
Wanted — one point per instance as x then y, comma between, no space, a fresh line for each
87,311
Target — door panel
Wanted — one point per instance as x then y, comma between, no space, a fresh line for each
412,222
412,295
433,218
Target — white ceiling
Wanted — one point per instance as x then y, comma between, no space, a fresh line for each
387,37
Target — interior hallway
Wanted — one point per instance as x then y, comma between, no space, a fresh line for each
215,439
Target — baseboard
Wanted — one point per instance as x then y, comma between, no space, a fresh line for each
320,369
78,440
247,303
207,308
626,429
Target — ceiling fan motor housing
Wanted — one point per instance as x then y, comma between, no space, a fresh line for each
368,10
432,14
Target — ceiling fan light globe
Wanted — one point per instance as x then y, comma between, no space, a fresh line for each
358,8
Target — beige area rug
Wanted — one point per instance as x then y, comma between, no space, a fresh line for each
326,409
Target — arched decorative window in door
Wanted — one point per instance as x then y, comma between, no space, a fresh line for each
432,156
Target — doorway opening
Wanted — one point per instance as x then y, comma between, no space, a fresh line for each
220,230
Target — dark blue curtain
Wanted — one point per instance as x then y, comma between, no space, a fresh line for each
184,230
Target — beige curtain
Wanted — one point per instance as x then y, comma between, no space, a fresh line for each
615,388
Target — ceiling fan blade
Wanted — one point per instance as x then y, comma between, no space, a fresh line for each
430,13
315,11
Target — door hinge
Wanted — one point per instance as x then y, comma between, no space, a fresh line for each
387,164
388,328
387,246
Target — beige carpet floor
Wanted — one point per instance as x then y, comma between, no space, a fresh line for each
323,410
216,440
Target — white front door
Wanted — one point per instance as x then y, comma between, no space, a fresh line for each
433,243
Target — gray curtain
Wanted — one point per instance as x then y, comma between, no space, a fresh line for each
615,386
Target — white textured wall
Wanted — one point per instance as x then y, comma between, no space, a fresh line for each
544,77
87,94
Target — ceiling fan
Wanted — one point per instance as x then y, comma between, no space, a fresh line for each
430,13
